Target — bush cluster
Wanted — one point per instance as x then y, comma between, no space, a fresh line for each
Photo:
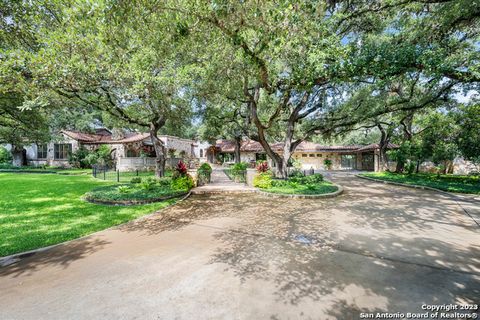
314,178
183,183
84,158
204,173
179,183
263,180
5,156
180,170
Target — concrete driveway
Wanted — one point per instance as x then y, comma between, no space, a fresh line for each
375,248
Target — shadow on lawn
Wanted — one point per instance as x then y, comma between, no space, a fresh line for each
60,256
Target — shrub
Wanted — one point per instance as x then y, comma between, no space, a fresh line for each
294,184
123,189
263,180
328,163
311,186
5,155
410,167
180,169
136,180
204,173
262,166
103,155
241,166
205,167
296,173
83,158
279,183
164,181
78,158
183,183
314,178
149,183
311,179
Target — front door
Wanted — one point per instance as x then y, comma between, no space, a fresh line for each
368,161
349,161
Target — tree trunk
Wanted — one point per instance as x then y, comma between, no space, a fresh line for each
238,141
400,166
383,146
277,160
159,151
418,166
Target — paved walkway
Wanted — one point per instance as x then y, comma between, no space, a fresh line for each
220,183
376,248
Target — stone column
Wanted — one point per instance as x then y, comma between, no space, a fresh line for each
250,174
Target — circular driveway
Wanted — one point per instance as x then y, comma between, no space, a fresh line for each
376,248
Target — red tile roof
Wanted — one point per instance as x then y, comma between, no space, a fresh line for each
90,138
374,146
228,146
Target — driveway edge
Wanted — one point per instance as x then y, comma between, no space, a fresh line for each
415,186
13,258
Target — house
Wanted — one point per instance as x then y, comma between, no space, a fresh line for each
129,150
308,154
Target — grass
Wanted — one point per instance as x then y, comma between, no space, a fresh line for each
132,192
451,183
38,210
304,189
45,170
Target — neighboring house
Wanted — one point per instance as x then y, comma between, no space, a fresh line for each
310,155
129,150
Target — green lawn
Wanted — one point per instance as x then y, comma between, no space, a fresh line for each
45,170
452,183
38,210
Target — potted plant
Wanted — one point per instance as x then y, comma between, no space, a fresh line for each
328,164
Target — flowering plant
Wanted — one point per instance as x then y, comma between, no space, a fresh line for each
181,168
262,167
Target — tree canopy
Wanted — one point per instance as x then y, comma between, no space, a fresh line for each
282,71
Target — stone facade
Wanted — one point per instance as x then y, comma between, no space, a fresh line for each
32,153
127,151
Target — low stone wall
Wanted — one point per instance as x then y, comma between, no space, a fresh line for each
135,163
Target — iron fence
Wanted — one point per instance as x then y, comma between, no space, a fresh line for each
105,173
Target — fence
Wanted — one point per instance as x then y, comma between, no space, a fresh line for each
105,173
236,175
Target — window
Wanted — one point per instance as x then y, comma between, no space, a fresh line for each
260,156
131,153
311,155
304,155
201,153
62,150
319,155
42,151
